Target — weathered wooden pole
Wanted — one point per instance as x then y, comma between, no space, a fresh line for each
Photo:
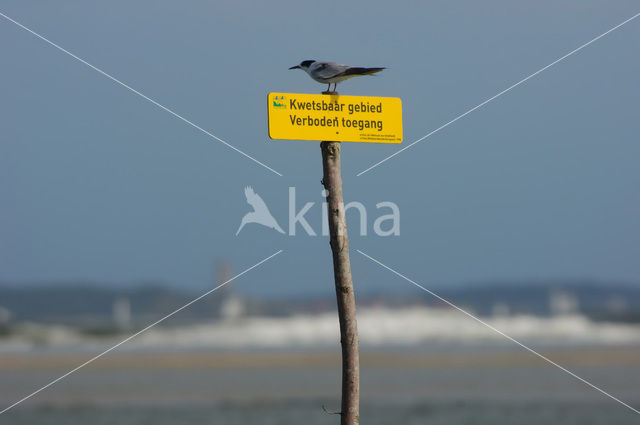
332,182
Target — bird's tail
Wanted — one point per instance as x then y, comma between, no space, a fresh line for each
362,71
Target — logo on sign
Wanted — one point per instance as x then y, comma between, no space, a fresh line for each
278,102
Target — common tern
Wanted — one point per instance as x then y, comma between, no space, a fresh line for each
332,72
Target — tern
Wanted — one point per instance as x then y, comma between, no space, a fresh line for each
331,72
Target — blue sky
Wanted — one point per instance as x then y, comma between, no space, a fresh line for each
99,185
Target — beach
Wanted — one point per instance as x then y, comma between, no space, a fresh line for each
470,384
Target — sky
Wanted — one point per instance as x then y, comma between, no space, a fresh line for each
100,186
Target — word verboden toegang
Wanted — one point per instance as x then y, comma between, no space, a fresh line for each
335,107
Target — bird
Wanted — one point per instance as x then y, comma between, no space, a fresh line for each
260,213
332,72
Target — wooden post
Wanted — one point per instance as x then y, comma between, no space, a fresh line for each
332,182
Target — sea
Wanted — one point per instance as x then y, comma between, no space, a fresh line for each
418,366
296,413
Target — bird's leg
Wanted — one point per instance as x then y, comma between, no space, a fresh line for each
329,88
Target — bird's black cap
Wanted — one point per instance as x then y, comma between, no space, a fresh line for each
303,64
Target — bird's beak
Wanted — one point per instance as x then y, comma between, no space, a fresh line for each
295,67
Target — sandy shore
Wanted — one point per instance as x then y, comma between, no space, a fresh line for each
179,378
619,356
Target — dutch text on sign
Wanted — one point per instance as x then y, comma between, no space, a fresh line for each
336,118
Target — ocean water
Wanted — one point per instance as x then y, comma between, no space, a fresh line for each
481,385
377,327
418,366
310,413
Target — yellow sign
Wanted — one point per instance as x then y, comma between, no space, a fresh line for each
336,118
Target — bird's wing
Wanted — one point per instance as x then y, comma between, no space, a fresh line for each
254,199
327,69
361,71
